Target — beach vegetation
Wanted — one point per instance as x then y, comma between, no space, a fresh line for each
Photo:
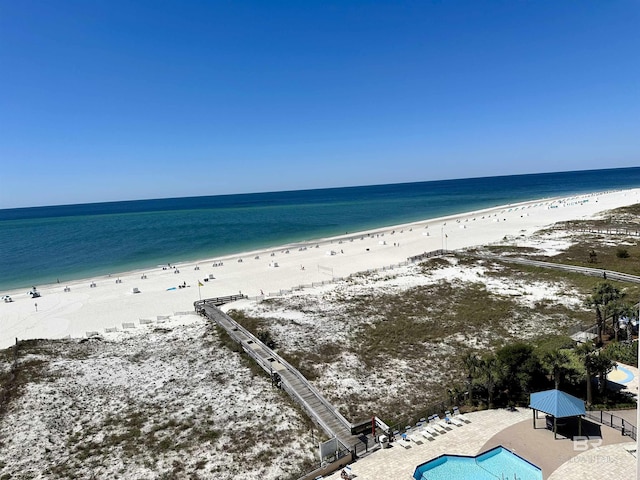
608,241
149,401
622,253
471,312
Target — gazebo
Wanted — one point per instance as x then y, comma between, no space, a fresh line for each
557,404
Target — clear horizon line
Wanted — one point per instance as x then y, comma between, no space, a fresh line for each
266,192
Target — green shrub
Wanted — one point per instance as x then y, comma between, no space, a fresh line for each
622,253
626,353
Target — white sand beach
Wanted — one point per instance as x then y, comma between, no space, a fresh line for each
97,304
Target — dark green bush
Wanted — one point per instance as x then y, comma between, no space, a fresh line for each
622,253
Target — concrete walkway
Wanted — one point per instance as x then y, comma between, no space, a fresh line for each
559,458
602,463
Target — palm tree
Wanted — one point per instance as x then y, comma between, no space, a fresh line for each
603,294
587,353
472,365
557,364
489,372
616,309
630,310
603,366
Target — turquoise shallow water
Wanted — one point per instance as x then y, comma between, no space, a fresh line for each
39,245
503,464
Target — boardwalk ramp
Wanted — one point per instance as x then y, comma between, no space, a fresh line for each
285,376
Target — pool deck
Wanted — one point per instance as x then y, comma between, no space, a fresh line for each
604,458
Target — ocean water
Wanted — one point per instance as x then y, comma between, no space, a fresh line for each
42,244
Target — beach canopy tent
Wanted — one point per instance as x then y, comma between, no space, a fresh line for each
557,404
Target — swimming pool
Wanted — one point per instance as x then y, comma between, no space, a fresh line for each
497,463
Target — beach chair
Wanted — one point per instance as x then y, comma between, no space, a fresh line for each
442,422
448,417
425,433
457,414
432,431
454,421
437,427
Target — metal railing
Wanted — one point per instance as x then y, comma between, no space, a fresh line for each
605,418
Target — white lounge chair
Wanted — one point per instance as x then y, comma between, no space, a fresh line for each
425,433
431,430
442,422
445,425
457,414
438,428
451,419
455,421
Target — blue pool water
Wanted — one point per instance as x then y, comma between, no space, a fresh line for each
628,375
501,461
497,463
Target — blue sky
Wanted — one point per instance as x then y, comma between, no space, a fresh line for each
116,100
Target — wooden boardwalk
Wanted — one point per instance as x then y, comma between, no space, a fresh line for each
285,376
592,272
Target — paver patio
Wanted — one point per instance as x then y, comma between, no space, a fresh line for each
514,430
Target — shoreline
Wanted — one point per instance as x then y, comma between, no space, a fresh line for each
33,276
280,247
110,304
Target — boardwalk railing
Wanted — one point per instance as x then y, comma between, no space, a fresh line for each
613,421
246,339
604,231
425,255
592,272
265,364
217,301
333,280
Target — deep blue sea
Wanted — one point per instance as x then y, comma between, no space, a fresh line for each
42,244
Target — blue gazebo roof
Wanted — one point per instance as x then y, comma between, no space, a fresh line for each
557,403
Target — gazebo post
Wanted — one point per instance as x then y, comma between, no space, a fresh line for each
555,428
580,426
534,418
